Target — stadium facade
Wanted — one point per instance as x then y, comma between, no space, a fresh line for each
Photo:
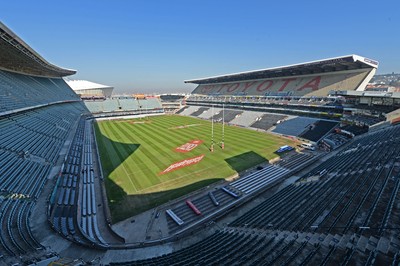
315,78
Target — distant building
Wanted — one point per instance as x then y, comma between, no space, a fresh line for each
88,89
377,87
171,103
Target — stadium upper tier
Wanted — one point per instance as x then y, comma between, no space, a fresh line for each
18,91
16,55
314,78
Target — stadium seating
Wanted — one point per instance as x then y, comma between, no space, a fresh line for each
363,120
90,215
29,147
304,103
259,179
246,118
37,115
258,247
321,107
129,104
122,105
334,140
322,194
150,103
294,161
21,91
182,109
356,130
318,130
110,105
203,203
94,106
16,237
294,126
266,121
33,132
210,113
64,202
199,111
227,115
189,110
21,176
315,221
227,195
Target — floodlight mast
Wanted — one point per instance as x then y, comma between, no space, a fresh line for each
223,126
212,128
146,108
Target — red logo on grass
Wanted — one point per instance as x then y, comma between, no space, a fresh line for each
189,146
181,164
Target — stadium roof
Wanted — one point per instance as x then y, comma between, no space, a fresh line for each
16,55
335,64
77,85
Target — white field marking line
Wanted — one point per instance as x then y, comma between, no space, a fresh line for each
138,171
130,180
145,164
126,172
142,140
185,126
129,174
177,178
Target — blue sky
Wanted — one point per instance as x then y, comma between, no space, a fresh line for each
152,46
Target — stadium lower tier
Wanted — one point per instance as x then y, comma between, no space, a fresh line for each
312,129
30,145
72,205
237,246
123,105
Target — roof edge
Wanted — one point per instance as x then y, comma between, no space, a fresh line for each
14,40
355,58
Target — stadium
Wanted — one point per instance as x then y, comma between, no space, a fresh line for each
293,165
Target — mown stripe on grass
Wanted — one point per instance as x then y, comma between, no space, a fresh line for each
144,157
119,169
135,162
157,143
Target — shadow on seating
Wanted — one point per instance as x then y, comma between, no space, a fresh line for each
241,161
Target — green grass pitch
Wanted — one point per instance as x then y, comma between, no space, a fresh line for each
134,152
